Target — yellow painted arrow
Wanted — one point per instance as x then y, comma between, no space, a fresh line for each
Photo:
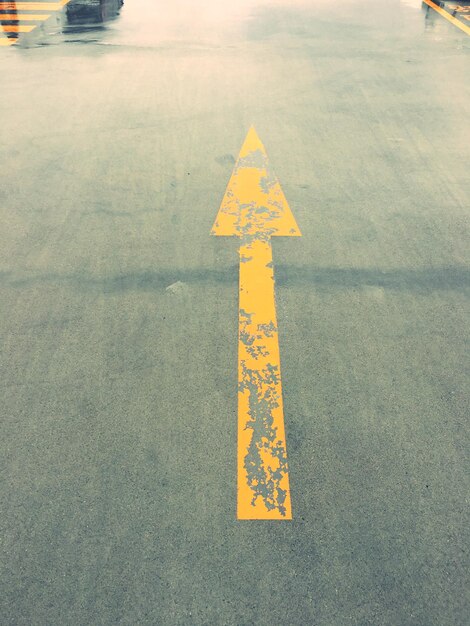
255,209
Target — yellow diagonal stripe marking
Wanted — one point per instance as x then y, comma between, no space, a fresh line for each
25,17
17,28
448,16
32,6
255,209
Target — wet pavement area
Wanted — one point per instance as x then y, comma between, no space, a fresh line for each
121,123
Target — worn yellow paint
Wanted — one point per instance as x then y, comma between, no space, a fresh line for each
15,28
254,202
32,6
448,16
458,9
25,17
254,208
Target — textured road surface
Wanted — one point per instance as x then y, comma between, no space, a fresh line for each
118,315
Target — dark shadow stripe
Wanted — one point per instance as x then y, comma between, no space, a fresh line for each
325,278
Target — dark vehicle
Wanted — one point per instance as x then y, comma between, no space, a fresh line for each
92,12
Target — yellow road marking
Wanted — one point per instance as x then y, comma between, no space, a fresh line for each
458,8
255,209
25,17
15,28
32,6
16,17
448,16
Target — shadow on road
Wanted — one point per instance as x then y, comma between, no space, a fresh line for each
325,278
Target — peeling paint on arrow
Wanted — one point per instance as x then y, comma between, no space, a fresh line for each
254,208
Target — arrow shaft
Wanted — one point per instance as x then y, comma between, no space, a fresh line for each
263,479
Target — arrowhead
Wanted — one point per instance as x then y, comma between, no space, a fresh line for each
254,204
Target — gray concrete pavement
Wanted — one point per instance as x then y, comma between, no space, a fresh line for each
118,316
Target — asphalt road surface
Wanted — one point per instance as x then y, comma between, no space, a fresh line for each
119,130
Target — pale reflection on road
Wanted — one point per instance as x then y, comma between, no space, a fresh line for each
150,23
